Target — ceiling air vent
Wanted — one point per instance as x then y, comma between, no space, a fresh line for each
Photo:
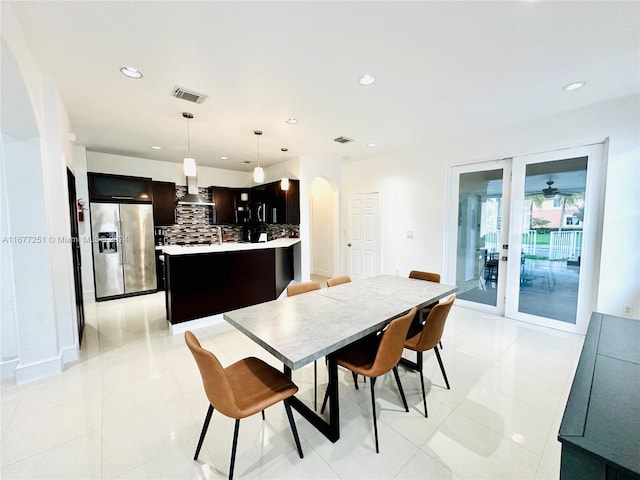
343,139
188,95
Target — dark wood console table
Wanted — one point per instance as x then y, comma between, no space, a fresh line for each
600,430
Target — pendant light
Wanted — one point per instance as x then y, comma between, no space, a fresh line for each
190,171
189,164
258,172
284,183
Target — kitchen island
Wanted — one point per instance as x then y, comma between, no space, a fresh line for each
206,280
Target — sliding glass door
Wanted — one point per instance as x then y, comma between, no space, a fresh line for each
527,234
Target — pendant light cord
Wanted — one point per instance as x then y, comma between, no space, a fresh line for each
188,139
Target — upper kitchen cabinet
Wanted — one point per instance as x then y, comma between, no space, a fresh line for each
224,210
164,203
266,203
119,188
288,203
278,206
293,202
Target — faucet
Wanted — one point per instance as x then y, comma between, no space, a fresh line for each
219,235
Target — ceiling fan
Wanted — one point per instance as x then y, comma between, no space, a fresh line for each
552,191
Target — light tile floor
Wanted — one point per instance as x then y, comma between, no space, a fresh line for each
133,407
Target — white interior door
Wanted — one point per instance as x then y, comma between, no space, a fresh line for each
534,224
363,242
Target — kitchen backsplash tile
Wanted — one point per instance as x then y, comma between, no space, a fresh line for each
193,225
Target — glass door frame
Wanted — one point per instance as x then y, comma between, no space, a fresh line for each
451,234
592,235
508,284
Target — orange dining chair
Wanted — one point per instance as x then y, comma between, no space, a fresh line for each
238,391
297,289
304,287
429,277
332,282
421,338
373,356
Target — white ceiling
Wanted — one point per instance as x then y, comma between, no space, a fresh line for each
443,69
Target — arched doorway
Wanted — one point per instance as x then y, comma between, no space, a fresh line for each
324,214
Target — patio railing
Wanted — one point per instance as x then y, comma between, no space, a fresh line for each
565,245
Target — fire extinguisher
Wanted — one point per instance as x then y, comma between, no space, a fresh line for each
80,208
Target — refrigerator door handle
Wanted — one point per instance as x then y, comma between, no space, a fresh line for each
121,237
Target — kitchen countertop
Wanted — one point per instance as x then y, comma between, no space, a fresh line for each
227,247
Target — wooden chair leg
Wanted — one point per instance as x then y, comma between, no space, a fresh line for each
207,419
287,407
373,409
233,448
444,374
404,400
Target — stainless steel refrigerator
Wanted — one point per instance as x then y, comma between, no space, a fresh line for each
123,249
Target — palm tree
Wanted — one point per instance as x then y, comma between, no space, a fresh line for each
573,200
566,201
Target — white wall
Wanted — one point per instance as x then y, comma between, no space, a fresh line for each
57,152
40,318
412,186
322,227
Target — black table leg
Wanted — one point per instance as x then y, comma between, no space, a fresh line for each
330,430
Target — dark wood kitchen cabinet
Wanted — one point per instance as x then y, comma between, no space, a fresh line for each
274,202
266,203
202,284
105,187
224,210
292,203
164,203
282,206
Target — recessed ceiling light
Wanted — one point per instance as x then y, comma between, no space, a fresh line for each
371,145
573,86
156,147
292,121
366,79
131,72
224,158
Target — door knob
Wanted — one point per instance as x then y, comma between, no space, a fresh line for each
348,244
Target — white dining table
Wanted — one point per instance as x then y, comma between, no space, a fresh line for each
300,329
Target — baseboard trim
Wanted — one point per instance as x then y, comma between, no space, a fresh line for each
38,370
69,354
9,370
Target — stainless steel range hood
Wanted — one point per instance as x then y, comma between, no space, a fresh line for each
193,197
